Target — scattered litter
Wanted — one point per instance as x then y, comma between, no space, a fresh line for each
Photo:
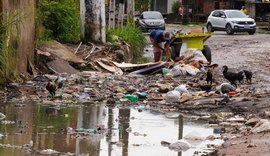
48,152
119,144
131,98
172,115
218,130
2,116
236,119
180,145
262,126
165,143
7,122
225,88
194,136
182,88
211,137
142,95
173,96
138,134
129,130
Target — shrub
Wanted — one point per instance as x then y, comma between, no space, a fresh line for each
59,21
133,36
176,6
9,36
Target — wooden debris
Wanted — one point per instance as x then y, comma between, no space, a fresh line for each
78,48
61,66
109,68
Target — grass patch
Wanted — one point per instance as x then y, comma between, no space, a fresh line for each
9,40
58,20
133,36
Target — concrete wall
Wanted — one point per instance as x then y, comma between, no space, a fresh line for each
25,43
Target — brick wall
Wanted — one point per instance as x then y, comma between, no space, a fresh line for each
208,6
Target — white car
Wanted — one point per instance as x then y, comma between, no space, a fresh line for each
230,21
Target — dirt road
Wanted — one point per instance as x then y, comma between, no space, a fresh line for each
242,51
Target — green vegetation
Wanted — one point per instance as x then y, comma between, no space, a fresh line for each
133,36
141,5
176,6
58,20
9,36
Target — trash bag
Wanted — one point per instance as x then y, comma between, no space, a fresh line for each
173,96
178,70
198,55
184,70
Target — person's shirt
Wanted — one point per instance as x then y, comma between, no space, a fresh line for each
180,11
157,35
245,11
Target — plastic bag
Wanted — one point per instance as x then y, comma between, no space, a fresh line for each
191,69
173,96
198,54
178,70
181,88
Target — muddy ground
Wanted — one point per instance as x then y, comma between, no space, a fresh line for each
238,52
242,51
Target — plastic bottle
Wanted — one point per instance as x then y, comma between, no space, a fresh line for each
131,98
165,71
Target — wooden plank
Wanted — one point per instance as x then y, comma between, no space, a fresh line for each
130,65
111,69
149,70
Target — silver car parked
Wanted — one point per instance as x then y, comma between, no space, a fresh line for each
150,20
230,21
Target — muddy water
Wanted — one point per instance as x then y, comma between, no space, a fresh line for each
46,127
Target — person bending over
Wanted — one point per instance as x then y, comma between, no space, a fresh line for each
157,37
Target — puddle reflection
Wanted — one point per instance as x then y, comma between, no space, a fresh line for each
47,128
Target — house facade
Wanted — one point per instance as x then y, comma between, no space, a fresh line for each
199,10
163,6
259,9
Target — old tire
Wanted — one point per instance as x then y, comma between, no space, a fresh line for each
229,29
209,27
207,53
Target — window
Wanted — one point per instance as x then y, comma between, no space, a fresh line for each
216,13
222,14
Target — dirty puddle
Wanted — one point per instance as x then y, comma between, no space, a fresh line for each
94,130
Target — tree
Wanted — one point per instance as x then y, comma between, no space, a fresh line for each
176,6
93,26
141,5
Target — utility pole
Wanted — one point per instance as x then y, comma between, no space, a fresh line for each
93,25
185,12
